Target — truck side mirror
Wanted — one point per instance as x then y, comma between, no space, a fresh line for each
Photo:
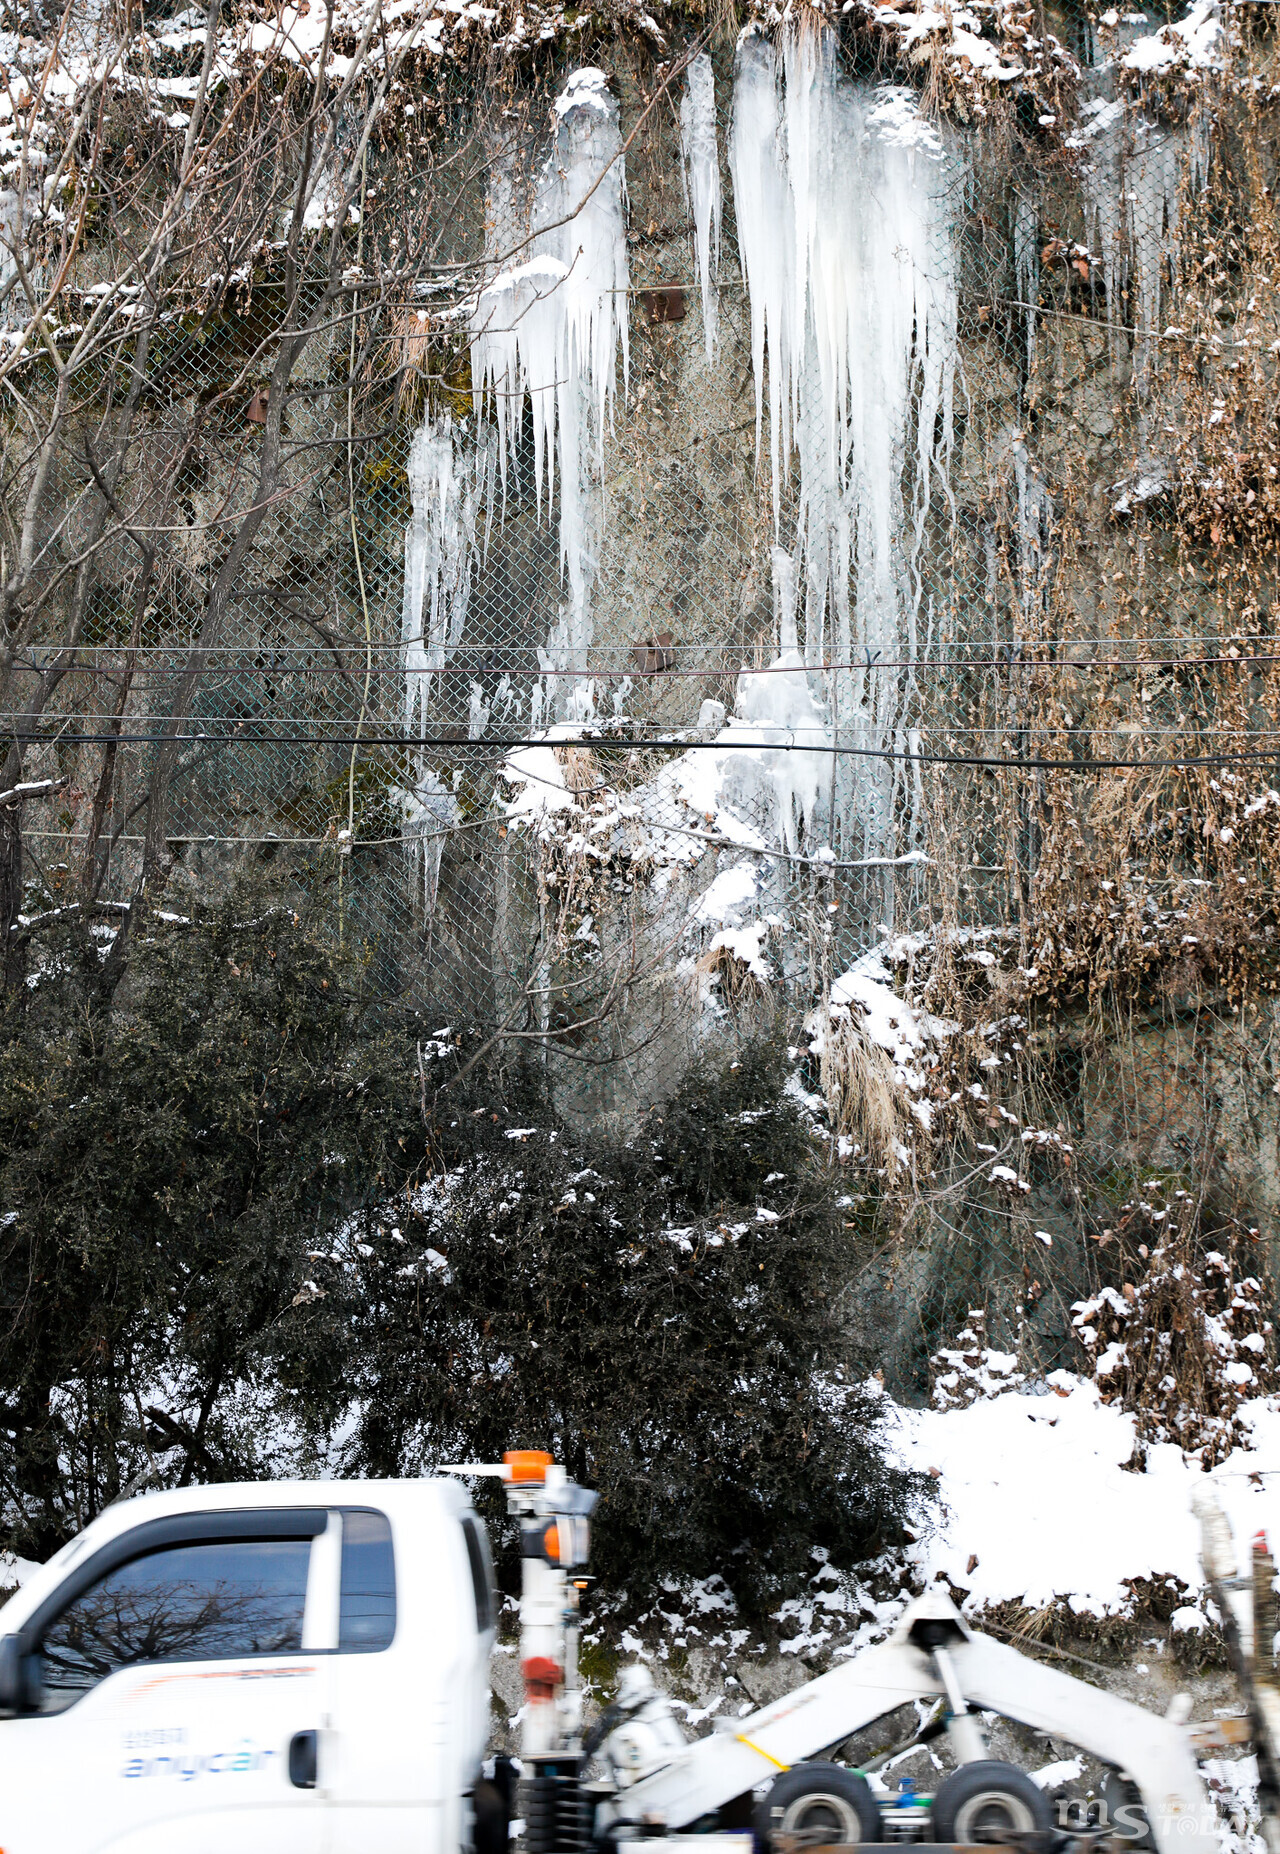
15,1678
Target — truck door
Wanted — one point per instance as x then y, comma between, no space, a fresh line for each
410,1699
381,1763
173,1700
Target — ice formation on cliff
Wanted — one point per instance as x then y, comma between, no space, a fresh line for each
846,208
450,480
547,330
1138,170
702,184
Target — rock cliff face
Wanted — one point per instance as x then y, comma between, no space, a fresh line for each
949,468
789,551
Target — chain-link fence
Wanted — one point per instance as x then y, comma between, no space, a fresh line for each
813,513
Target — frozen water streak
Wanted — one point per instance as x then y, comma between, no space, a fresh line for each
846,228
702,185
547,331
1135,175
450,479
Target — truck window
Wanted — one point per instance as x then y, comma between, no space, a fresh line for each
367,1612
481,1572
216,1600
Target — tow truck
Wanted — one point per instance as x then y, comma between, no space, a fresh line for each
303,1668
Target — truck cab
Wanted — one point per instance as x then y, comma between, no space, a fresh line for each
295,1667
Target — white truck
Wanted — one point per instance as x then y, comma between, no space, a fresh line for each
282,1668
303,1668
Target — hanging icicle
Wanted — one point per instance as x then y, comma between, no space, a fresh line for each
549,330
1026,267
450,480
762,202
451,474
430,814
702,185
1136,176
1166,159
846,225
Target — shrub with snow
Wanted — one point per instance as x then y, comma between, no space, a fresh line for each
1183,1341
971,1368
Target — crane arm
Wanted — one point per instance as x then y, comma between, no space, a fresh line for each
1156,1753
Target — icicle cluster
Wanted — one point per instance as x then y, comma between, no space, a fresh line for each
845,220
702,185
1136,175
1026,266
547,331
450,478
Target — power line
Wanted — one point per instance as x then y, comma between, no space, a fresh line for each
233,727
1015,656
482,749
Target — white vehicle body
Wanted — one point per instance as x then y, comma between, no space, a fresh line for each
1156,1752
303,1668
320,1683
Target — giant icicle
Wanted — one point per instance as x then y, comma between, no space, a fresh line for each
846,230
450,479
548,330
450,476
702,185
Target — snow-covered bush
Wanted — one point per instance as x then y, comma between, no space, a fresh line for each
1183,1340
971,1368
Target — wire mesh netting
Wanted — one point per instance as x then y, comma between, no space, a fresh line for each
742,583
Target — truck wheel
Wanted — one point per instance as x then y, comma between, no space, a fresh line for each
1126,1814
489,1812
986,1801
822,1805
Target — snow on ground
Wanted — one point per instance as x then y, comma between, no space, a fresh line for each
1035,1494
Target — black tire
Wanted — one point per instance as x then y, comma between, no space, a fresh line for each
1126,1814
986,1801
490,1814
822,1805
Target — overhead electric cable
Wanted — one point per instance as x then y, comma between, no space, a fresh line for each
501,748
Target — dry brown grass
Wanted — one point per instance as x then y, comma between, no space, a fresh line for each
864,1099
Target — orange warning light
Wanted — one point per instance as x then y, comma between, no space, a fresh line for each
528,1465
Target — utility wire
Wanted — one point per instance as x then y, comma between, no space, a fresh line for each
482,749
1016,657
320,728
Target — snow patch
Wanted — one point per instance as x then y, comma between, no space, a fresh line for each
747,945
731,889
1007,1466
1194,43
